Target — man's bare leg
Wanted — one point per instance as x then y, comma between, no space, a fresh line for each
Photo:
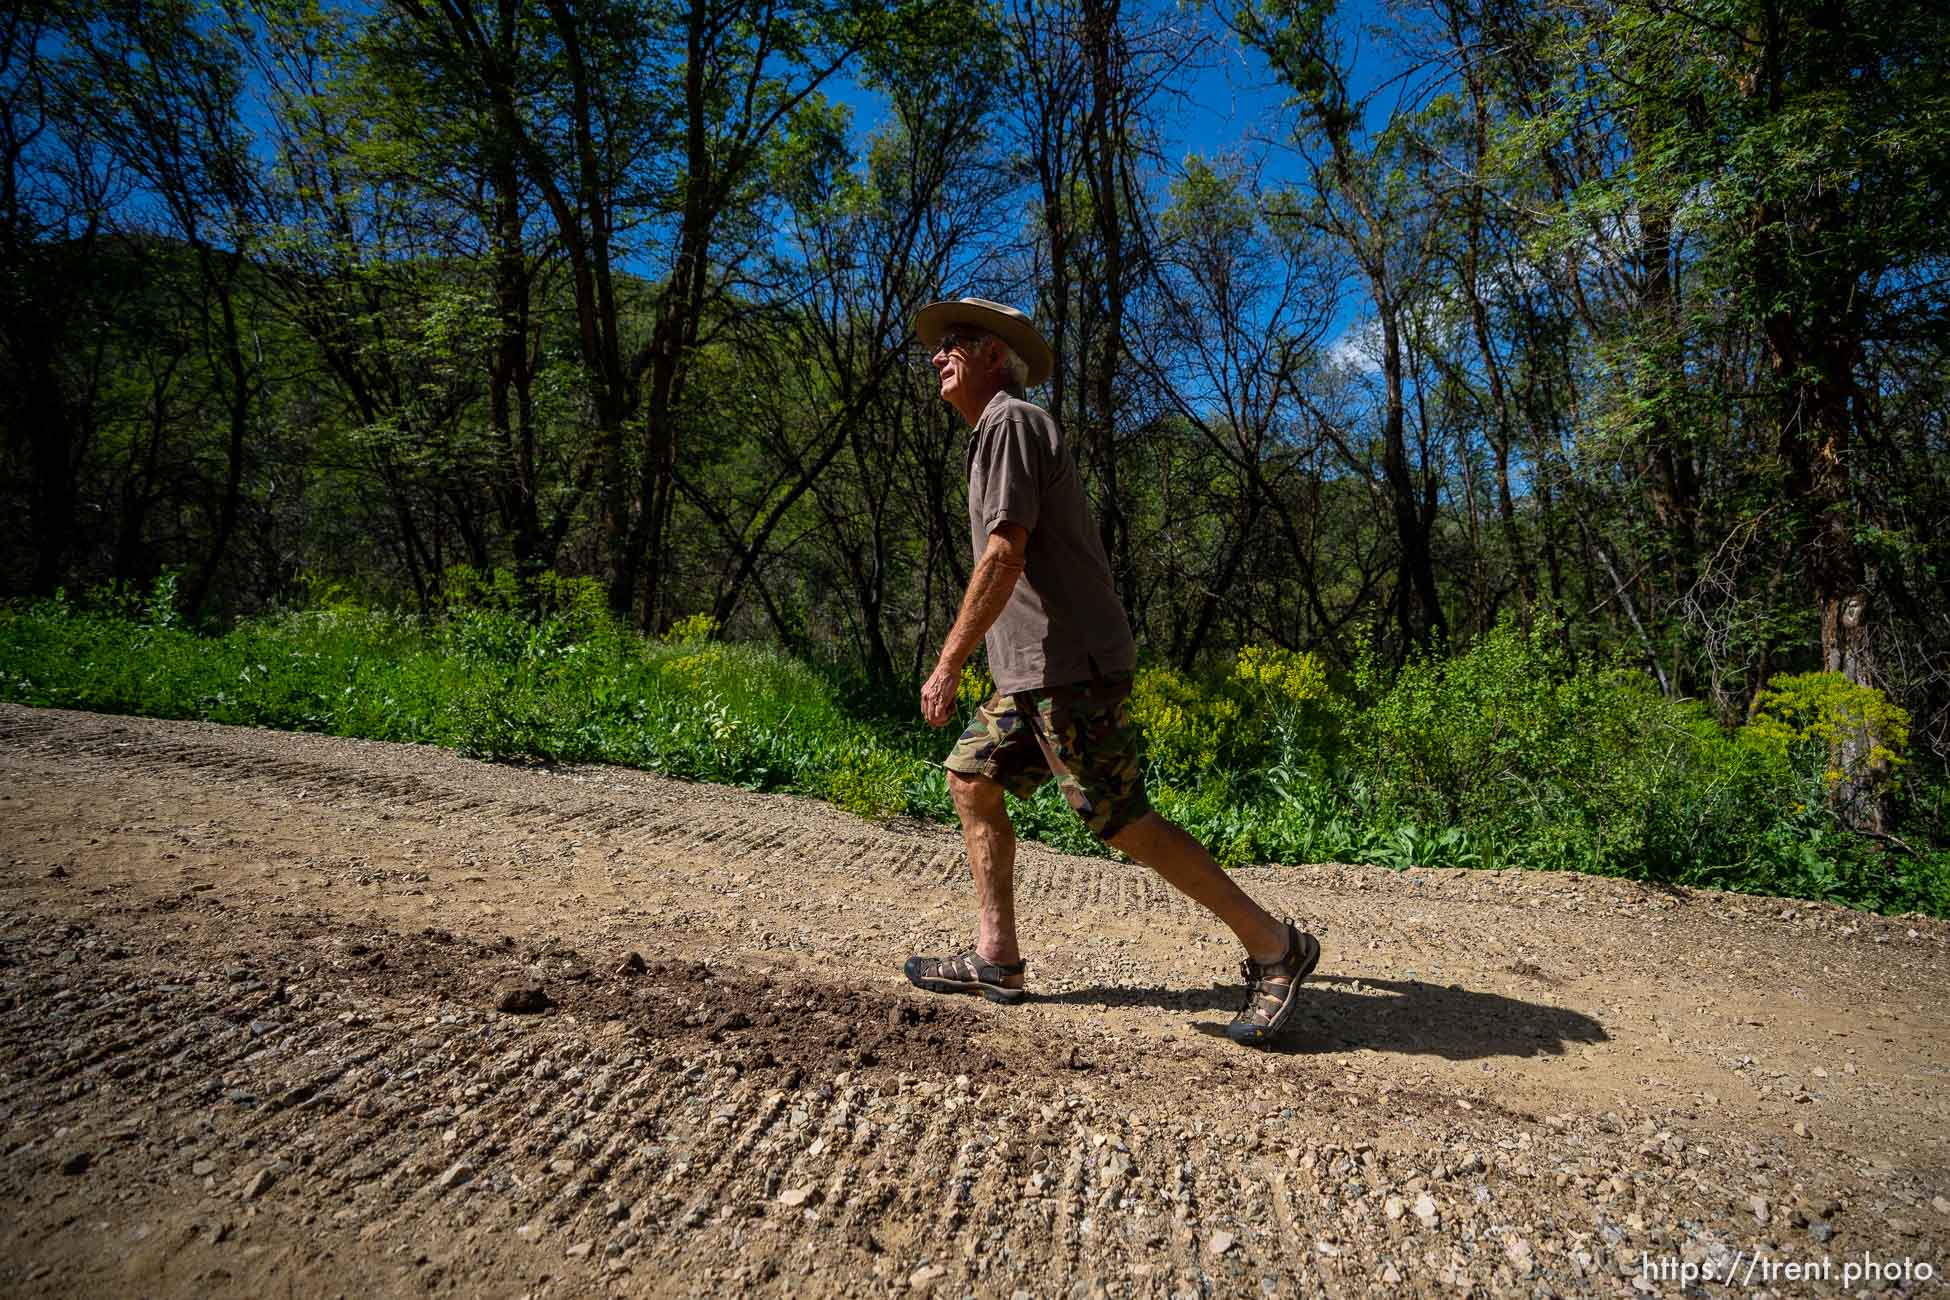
1168,850
991,842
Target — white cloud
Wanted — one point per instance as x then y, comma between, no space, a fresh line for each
1358,348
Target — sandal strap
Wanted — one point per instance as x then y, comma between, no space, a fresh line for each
972,967
1262,1001
1268,986
978,967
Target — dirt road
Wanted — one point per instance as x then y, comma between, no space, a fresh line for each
249,985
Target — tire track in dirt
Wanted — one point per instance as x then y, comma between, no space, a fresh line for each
393,1116
703,828
205,987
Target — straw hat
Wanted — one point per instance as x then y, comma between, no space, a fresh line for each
1005,322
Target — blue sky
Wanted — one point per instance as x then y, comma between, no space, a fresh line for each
1231,104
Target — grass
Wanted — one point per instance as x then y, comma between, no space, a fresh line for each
1501,757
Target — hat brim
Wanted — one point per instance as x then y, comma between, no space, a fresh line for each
934,320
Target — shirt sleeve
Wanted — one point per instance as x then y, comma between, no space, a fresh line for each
1011,467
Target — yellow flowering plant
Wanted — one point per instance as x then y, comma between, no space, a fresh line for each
692,627
975,687
1854,732
1270,702
1293,677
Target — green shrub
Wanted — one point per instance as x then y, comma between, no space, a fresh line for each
870,782
1547,764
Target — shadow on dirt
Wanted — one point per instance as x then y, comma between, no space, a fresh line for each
1413,1017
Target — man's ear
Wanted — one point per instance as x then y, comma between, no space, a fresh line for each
992,356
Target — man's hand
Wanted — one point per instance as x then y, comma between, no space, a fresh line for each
938,695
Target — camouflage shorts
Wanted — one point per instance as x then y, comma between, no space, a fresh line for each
1079,734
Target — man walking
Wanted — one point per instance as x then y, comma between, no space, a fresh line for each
1062,655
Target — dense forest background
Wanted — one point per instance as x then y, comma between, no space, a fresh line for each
1623,323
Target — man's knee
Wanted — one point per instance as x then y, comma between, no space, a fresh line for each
975,796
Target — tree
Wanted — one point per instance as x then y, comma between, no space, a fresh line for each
56,189
1244,307
1364,198
1795,150
410,253
160,87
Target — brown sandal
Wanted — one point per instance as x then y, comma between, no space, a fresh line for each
964,972
1273,989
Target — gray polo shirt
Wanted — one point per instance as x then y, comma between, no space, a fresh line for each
1063,622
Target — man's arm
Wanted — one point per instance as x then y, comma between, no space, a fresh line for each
988,591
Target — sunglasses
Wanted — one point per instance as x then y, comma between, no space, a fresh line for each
958,338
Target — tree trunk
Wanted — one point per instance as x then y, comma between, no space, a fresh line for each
238,389
1105,153
1814,343
51,434
510,399
1415,590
